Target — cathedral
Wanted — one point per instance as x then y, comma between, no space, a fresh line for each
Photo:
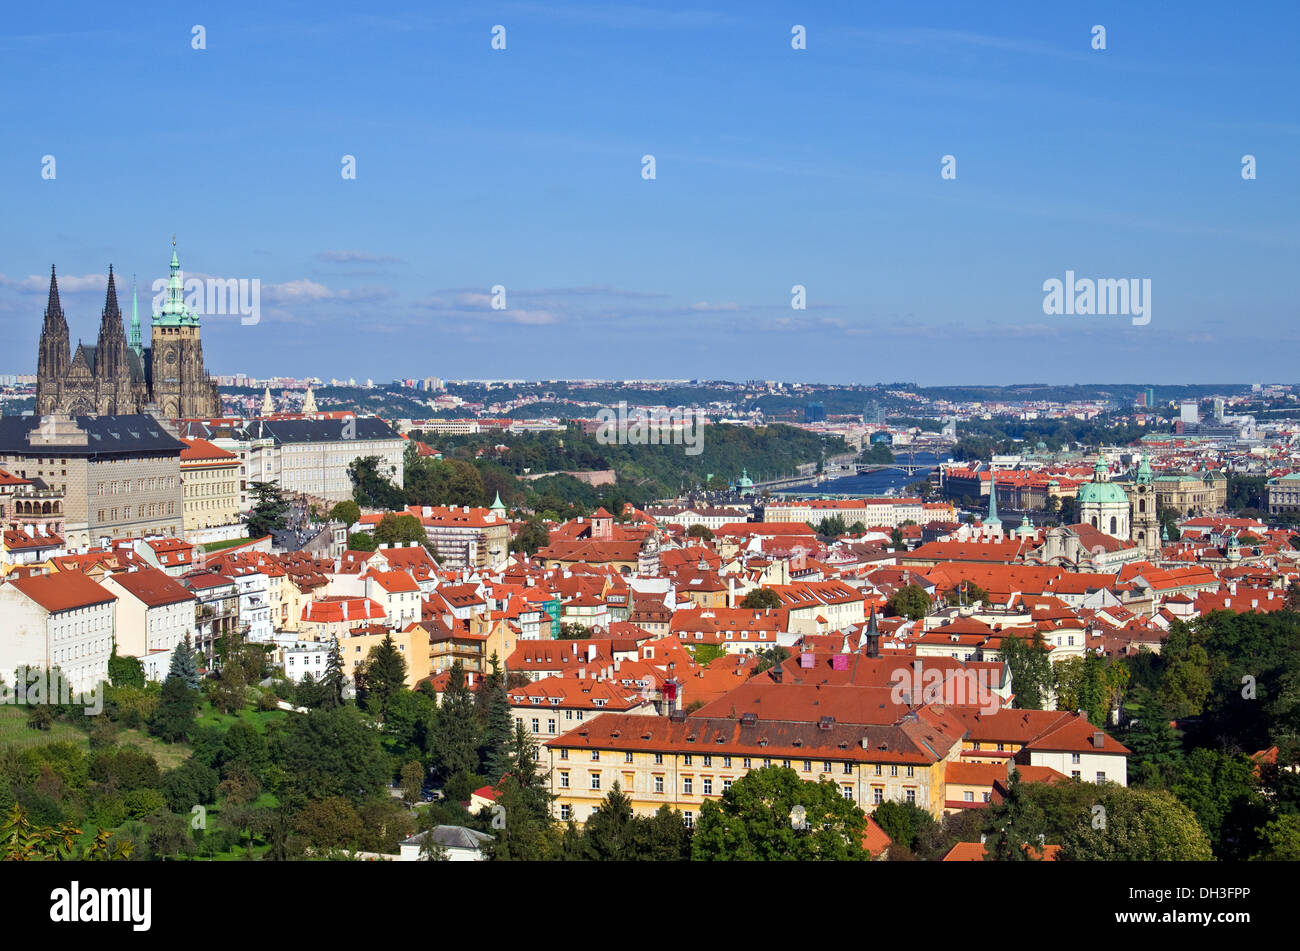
119,375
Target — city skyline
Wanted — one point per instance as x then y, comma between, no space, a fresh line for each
774,167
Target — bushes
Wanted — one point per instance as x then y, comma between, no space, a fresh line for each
142,802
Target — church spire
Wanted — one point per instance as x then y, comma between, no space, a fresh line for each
53,308
268,407
309,401
133,337
111,310
993,520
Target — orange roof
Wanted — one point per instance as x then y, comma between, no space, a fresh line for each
200,450
63,591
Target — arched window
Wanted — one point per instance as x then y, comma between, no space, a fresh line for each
1114,525
1094,521
1142,505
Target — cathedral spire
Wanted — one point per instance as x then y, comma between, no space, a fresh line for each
111,310
993,520
53,308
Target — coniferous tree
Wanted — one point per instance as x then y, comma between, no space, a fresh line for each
455,743
497,731
174,717
331,681
270,511
612,831
184,664
382,676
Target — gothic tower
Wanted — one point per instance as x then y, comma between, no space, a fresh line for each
55,353
112,368
180,385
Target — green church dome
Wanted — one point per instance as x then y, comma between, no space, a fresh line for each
1101,493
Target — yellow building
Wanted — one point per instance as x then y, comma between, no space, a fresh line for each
681,762
209,485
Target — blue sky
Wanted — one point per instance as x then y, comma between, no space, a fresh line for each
775,167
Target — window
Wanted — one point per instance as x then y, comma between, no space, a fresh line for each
536,724
659,784
910,795
580,714
688,819
877,795
746,762
807,766
879,769
1101,776
893,770
688,785
708,760
726,762
726,784
564,780
595,780
911,771
686,760
988,797
565,813
1000,747
708,785
785,763
595,756
766,762
848,769
826,766
627,757
659,759
1074,774
550,726
968,796
564,754
1074,757
568,714
847,792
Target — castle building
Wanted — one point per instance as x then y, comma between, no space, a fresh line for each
119,375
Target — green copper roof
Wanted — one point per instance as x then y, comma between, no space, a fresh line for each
993,502
173,312
498,504
1144,473
1101,493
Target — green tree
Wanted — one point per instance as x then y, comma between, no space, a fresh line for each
362,541
270,511
1223,792
400,530
347,512
497,727
756,819
700,531
332,680
1136,825
381,676
174,717
371,487
1280,839
455,740
909,601
612,832
125,671
904,822
533,536
184,664
412,782
761,599
331,753
1030,669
